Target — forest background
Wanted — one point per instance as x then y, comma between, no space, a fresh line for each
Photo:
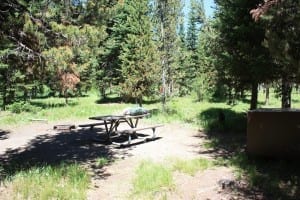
147,49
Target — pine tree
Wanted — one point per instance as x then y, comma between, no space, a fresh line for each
282,23
242,56
195,21
167,18
138,56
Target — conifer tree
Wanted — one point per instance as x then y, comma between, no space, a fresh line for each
138,55
242,56
281,19
167,15
195,20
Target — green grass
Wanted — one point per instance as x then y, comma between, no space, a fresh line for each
186,110
152,180
60,182
191,167
54,109
101,161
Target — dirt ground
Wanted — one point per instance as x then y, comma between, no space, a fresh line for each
39,143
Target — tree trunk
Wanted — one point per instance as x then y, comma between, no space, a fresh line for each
254,95
242,93
267,94
164,63
229,95
139,101
286,90
4,100
66,97
103,92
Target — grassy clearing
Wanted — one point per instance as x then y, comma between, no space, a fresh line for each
59,182
179,110
54,109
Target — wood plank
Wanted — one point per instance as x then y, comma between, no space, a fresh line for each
133,130
64,127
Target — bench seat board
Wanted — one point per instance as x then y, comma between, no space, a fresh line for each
91,124
132,131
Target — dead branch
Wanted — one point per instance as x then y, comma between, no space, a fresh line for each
263,8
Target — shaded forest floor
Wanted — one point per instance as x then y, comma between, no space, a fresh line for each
38,144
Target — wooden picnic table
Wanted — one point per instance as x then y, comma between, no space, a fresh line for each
111,122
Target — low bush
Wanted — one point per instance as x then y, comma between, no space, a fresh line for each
19,107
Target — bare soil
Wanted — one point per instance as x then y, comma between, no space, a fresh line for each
39,143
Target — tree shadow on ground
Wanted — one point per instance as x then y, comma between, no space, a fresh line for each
109,100
224,120
260,178
3,134
67,147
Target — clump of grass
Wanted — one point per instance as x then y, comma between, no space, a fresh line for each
60,182
211,143
101,161
152,180
191,167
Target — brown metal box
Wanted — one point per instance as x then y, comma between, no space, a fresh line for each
273,132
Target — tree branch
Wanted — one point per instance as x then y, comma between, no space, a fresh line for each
263,8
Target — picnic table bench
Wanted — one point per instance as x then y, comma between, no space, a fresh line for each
132,131
91,125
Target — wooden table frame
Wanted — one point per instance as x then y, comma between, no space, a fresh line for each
111,122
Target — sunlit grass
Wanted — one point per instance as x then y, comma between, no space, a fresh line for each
59,182
191,167
155,180
152,180
54,109
178,110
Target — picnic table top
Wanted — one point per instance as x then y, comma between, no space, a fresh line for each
117,117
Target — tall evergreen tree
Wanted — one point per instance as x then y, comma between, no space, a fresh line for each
167,15
129,58
196,19
244,58
207,81
282,23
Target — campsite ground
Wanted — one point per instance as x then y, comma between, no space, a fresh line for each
38,141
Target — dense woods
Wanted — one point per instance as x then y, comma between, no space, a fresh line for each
144,49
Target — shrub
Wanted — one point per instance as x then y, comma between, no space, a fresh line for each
19,107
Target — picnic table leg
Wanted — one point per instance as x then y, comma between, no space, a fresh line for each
130,123
113,126
133,125
107,131
153,136
129,139
136,122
